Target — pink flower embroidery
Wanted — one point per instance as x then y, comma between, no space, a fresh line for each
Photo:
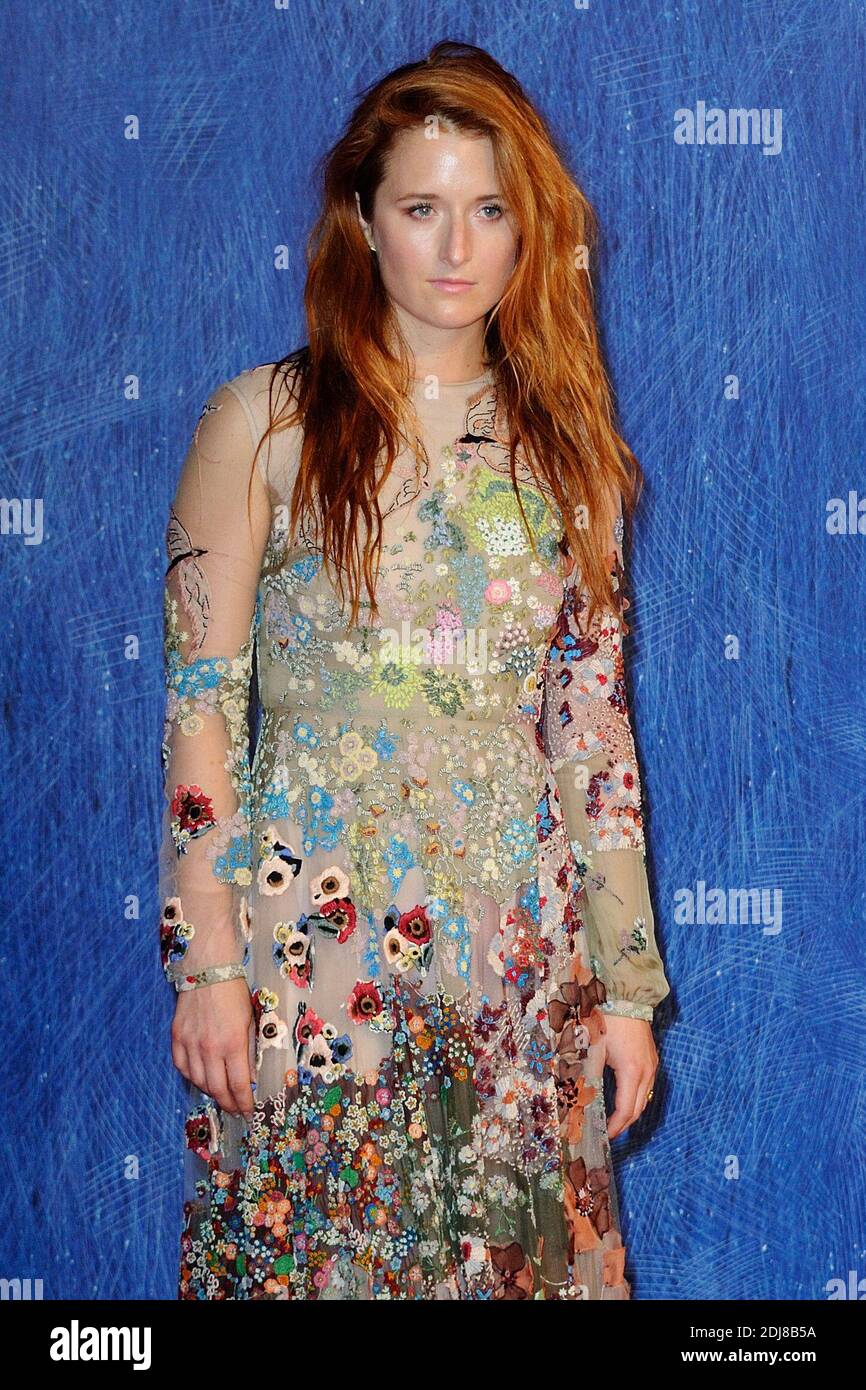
498,591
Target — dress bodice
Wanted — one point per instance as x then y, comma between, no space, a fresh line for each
435,700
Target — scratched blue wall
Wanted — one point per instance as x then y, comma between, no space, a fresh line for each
155,258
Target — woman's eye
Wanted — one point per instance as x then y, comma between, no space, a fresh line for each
495,208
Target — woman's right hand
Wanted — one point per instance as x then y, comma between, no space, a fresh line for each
211,1040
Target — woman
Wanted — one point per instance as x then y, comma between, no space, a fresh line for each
408,937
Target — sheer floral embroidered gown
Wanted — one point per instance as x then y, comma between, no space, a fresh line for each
433,867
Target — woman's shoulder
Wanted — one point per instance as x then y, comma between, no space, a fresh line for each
267,392
269,386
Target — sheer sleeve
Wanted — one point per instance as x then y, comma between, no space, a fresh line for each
214,550
588,741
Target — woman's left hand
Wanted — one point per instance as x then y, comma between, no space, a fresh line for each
631,1054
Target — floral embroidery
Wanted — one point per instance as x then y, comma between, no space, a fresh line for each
192,816
203,1131
366,1004
319,1050
333,883
278,863
174,933
512,1273
197,692
336,918
293,951
635,942
408,941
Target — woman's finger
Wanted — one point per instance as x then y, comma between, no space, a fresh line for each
240,1081
218,1083
180,1057
197,1072
626,1084
644,1086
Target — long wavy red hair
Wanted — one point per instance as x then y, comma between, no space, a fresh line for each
350,386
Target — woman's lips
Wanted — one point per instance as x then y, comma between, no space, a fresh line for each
453,286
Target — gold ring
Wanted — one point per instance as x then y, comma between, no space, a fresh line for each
649,1095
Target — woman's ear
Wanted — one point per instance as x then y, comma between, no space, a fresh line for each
365,226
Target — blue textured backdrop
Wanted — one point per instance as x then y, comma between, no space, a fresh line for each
154,257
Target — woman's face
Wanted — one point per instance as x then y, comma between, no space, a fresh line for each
438,217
